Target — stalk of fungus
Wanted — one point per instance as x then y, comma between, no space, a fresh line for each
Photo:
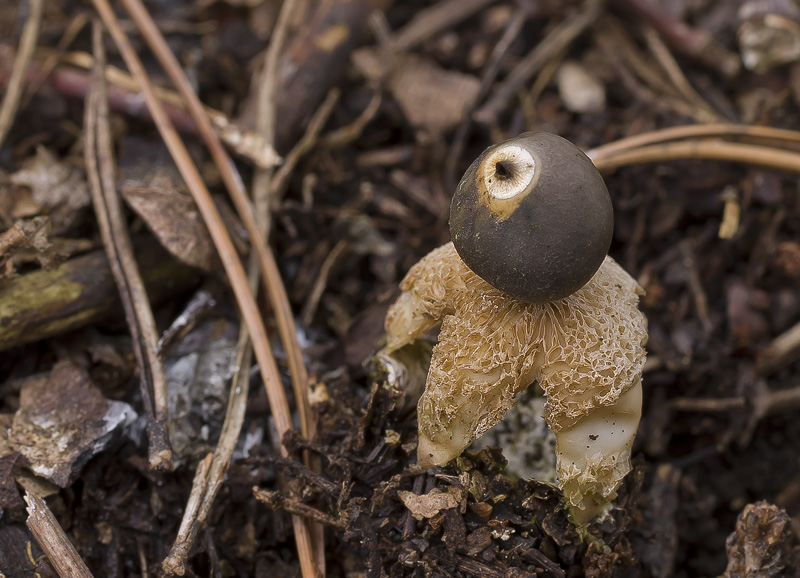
525,293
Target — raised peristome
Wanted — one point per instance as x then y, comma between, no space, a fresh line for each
532,217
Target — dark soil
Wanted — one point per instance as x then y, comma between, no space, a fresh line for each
356,214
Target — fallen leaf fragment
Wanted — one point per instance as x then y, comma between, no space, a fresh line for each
430,504
26,240
56,189
433,99
63,421
29,241
158,195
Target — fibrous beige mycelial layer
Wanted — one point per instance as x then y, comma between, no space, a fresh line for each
586,351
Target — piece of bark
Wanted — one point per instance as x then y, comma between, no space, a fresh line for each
79,292
761,543
63,422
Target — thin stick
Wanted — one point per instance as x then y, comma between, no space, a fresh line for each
713,405
679,80
702,149
233,182
175,562
16,84
784,349
766,403
268,87
263,195
695,285
50,63
694,131
280,181
553,44
209,477
52,539
693,42
488,76
140,549
124,97
310,307
100,170
279,405
275,500
435,20
347,134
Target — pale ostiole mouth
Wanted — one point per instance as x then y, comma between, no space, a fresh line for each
508,171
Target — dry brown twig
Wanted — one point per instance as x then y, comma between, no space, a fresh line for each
434,20
73,29
784,349
210,472
123,94
702,149
280,181
230,260
761,403
651,80
692,42
52,539
312,301
543,78
100,170
695,284
274,501
703,111
175,562
246,143
348,133
262,193
554,43
263,196
488,76
704,141
696,131
142,552
16,83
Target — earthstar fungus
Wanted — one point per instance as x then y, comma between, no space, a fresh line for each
583,345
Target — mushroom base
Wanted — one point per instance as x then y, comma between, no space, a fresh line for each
594,455
586,351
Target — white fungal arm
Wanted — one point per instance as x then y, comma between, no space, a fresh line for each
470,387
594,454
